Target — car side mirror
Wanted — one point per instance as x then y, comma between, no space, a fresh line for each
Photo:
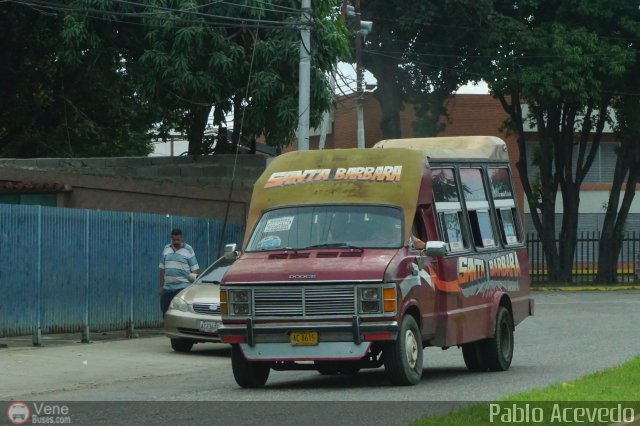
231,251
436,248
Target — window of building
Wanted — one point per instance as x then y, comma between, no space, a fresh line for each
30,199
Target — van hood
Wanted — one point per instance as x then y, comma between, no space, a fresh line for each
310,266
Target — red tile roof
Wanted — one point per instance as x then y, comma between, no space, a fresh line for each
31,187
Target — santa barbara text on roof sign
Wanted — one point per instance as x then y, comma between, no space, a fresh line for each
371,174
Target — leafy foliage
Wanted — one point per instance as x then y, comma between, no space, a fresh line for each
64,92
92,77
419,53
569,61
248,71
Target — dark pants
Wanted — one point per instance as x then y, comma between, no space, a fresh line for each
165,299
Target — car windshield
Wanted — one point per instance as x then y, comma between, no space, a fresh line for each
214,273
328,226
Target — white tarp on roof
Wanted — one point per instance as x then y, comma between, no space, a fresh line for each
472,147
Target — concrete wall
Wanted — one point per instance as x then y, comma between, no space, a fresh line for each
186,186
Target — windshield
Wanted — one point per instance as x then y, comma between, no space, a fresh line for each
214,272
332,226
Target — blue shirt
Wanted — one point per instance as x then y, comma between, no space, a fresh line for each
177,265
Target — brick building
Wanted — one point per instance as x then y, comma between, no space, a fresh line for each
477,114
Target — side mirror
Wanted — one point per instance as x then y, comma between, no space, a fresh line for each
231,252
436,248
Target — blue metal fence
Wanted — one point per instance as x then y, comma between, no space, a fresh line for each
73,270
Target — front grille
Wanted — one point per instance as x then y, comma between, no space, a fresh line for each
205,308
304,301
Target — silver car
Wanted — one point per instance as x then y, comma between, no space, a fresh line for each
194,314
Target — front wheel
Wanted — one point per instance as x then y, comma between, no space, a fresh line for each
248,374
403,358
497,351
181,345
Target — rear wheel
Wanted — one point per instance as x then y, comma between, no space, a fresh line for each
181,345
403,358
497,351
472,354
248,374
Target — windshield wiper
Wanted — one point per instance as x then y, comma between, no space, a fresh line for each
333,245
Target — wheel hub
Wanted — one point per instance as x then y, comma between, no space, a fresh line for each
411,346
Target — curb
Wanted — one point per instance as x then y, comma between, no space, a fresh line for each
587,288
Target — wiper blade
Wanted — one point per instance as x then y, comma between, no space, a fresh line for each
333,245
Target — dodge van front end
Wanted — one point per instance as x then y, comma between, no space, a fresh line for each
308,321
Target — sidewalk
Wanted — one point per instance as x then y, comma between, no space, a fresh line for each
65,364
63,339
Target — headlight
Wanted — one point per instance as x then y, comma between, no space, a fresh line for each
369,300
370,293
239,303
239,296
179,304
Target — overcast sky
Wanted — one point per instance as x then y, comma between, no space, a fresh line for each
346,81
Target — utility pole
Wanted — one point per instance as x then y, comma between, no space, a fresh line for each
359,75
305,77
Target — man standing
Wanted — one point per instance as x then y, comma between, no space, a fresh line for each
178,260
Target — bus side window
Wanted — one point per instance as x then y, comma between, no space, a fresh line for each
418,229
450,223
449,208
481,228
508,228
502,192
477,204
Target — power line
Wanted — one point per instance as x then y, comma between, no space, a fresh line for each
227,21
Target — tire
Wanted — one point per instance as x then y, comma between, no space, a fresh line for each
403,357
497,351
181,345
473,356
329,368
248,374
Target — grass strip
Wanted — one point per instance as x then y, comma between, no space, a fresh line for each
602,390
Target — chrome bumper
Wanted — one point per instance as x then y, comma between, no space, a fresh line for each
355,332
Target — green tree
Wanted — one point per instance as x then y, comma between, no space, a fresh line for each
627,172
418,52
566,61
246,65
63,93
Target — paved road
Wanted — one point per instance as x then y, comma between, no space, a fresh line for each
571,335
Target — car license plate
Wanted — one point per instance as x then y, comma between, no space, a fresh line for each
209,326
304,338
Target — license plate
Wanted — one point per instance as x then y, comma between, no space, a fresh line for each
304,338
209,326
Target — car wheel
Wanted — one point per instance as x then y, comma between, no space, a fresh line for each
403,357
472,354
248,374
181,345
498,350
